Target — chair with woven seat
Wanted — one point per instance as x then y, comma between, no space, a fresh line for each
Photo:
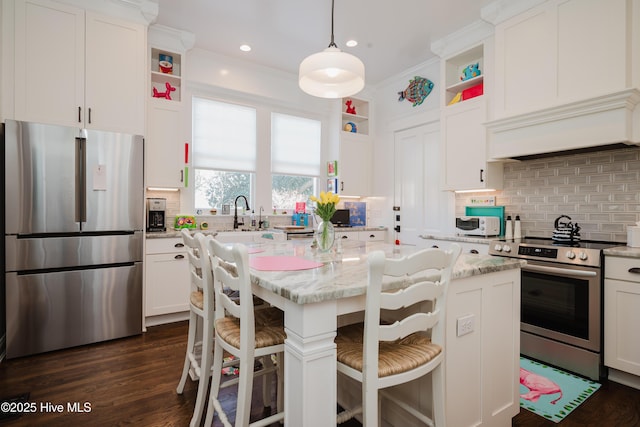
381,353
244,332
199,356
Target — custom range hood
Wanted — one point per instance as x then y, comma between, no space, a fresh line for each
566,76
608,120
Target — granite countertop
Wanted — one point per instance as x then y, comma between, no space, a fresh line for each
345,274
622,251
456,238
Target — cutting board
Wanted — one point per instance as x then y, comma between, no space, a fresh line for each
289,227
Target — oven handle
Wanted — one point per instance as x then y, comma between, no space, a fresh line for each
556,270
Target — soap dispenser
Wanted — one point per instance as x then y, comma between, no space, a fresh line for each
508,231
517,230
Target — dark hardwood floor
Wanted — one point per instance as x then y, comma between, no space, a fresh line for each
132,381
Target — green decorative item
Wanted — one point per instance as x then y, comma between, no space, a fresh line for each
185,221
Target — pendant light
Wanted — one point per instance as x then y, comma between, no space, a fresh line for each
331,73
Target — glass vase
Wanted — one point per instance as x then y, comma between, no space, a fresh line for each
325,236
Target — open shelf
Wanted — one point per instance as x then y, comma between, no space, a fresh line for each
360,118
454,68
160,76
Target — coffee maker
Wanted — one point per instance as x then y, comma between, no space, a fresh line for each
156,214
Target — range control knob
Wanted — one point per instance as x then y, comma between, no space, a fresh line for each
571,255
506,248
583,256
497,247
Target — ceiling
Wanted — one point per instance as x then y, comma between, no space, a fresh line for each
392,35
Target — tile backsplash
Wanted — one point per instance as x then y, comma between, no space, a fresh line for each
599,190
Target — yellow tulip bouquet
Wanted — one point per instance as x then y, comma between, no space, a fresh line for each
326,204
325,208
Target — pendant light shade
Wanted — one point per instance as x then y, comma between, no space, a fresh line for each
331,73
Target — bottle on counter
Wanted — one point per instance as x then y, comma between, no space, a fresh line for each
253,219
517,228
508,230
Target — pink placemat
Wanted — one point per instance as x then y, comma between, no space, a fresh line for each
254,250
282,263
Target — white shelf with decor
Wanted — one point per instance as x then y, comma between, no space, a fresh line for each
454,71
167,125
360,118
166,68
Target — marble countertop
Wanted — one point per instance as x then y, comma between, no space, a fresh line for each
344,272
455,238
176,233
623,251
172,233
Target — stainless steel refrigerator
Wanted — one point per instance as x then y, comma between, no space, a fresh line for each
74,201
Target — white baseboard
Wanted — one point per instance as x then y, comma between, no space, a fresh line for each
624,378
166,318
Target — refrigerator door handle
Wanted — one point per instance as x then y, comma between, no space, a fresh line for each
81,180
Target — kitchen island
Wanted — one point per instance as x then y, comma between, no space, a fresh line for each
482,361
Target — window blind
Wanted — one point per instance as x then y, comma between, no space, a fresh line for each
224,136
295,145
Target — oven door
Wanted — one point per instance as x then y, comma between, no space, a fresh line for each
562,303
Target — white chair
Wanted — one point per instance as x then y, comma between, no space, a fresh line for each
384,354
199,356
243,332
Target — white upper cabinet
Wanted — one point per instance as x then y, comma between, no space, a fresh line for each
465,74
354,166
354,163
49,67
115,74
168,123
78,68
465,150
563,51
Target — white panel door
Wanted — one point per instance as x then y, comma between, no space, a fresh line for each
423,206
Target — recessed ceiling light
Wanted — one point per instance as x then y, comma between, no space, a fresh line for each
352,43
245,48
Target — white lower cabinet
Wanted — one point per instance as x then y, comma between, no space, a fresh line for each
467,247
622,314
363,236
166,277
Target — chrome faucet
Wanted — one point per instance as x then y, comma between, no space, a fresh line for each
235,214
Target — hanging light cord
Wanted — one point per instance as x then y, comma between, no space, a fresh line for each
332,44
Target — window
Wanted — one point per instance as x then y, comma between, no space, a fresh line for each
224,152
295,159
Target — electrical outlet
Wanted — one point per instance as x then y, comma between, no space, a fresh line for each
466,324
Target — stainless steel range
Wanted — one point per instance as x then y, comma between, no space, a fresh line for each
561,309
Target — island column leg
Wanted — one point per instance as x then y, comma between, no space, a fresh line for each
310,364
